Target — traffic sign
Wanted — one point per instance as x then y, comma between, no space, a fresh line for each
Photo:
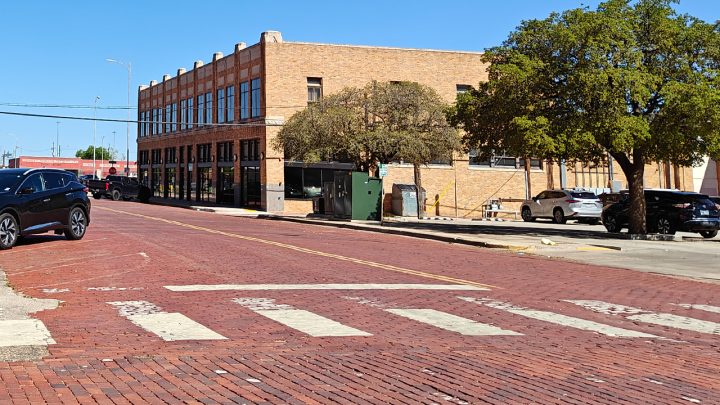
382,168
112,170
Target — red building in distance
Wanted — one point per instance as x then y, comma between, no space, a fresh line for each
75,165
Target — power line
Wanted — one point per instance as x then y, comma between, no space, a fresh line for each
64,106
67,117
80,106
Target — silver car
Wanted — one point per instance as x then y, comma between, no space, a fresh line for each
561,205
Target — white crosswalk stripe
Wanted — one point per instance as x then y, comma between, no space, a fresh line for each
168,326
641,315
560,319
24,332
298,319
453,323
707,308
281,287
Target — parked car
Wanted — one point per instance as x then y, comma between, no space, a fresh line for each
41,200
666,212
119,187
561,205
85,178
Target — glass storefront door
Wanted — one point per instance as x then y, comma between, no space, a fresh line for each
250,186
169,187
157,185
207,192
225,185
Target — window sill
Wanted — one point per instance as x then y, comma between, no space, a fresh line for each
502,169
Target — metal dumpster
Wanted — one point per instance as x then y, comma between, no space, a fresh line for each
404,199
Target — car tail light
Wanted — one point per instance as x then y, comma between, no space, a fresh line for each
107,186
683,205
85,189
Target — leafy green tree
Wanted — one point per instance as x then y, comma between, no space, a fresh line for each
100,153
380,123
632,79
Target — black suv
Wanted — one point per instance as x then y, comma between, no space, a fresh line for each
668,211
41,200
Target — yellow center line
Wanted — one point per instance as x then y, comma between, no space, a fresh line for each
308,251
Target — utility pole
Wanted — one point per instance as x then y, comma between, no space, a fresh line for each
128,65
94,134
57,136
5,155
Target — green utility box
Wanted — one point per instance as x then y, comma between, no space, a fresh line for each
357,196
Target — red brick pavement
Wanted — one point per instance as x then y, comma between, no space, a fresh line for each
101,357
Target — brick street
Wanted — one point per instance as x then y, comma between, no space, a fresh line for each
168,305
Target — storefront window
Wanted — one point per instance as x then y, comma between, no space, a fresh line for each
143,177
312,183
157,185
306,182
293,182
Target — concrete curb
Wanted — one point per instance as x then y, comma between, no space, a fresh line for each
401,232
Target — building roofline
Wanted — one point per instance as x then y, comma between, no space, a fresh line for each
246,47
384,47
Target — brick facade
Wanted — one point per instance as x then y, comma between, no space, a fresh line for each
460,189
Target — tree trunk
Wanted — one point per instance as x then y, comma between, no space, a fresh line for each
528,181
637,220
418,192
678,179
668,182
634,173
550,175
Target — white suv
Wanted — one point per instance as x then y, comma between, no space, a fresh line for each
561,205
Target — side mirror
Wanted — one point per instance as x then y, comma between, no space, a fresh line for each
27,190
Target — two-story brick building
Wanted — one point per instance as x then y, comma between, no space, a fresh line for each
205,134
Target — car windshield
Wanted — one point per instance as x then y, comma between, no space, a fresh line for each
8,180
584,194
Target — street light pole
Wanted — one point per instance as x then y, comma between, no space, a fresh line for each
94,133
102,153
128,65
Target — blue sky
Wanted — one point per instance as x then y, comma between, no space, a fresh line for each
54,51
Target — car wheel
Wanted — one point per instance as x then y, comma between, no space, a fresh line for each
116,195
665,226
709,234
526,215
558,216
610,222
97,196
9,231
77,224
144,195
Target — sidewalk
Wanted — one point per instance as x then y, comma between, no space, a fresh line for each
391,225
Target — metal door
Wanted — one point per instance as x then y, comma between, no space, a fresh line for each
342,195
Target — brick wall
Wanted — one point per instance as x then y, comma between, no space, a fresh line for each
284,67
